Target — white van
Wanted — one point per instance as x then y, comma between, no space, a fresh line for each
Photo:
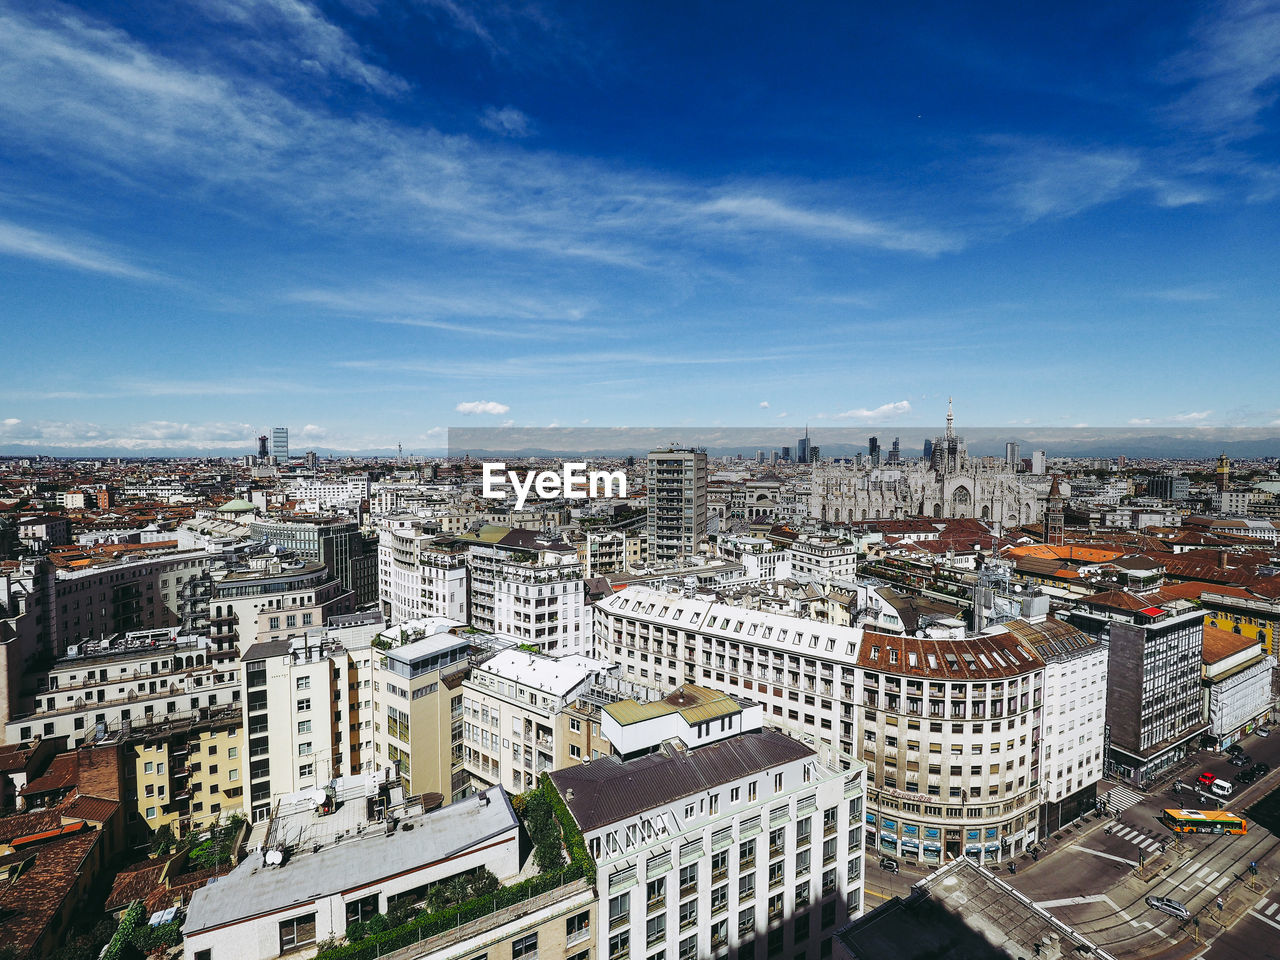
1221,787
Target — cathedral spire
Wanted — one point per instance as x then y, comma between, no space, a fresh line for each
950,421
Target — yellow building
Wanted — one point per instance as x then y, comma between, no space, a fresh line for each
185,775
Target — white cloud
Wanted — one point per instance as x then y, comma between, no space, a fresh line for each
885,410
297,35
764,404
34,245
1195,416
507,121
1231,67
10,421
759,211
472,407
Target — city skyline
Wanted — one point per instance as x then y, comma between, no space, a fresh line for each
375,224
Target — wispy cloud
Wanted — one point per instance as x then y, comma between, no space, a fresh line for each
755,211
507,122
297,34
1230,70
31,244
764,404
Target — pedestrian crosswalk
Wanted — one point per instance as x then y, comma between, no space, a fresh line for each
1139,839
1120,799
1266,911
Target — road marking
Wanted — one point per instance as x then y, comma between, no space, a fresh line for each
1255,913
1271,909
1146,844
1107,856
1222,881
1076,901
1203,871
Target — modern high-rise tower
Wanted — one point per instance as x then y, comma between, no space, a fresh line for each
802,448
280,443
677,485
1011,460
873,447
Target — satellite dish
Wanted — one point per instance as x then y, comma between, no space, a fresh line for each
1017,588
274,858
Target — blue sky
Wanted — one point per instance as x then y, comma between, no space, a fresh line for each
368,221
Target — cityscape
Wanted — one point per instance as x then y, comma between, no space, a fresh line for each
536,481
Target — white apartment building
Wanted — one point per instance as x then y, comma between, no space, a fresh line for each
543,602
316,873
760,558
124,682
792,666
309,713
748,842
1237,683
824,559
950,732
299,595
519,719
519,579
321,494
421,574
1075,716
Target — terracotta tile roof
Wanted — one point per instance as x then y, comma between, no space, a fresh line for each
1220,644
93,809
135,883
63,773
39,892
26,824
1118,600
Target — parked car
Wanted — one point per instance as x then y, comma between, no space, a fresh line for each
888,863
1240,760
1207,778
1263,731
1235,748
1246,776
1170,906
1261,769
1222,788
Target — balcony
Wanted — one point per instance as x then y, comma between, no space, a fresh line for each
620,921
717,876
688,890
655,904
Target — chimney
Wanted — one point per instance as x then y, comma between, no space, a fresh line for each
1222,560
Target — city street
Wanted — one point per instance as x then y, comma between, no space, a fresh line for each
1098,882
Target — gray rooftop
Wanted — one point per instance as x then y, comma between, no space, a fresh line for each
253,889
962,912
608,790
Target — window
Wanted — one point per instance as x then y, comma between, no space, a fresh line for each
362,909
304,726
304,704
577,927
306,770
655,930
620,945
575,725
689,948
619,911
297,932
151,813
746,854
747,886
304,748
526,946
688,914
656,894
303,683
688,879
